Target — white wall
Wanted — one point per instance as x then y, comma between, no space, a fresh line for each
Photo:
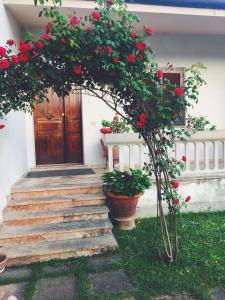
14,145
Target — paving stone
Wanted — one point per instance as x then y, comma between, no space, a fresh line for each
109,282
11,274
49,270
217,293
16,290
104,261
56,289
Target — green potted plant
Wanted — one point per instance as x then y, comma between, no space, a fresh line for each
124,191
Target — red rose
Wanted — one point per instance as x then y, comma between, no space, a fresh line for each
143,117
39,44
109,2
179,92
157,151
159,74
188,199
131,58
96,15
2,52
140,55
15,59
23,47
10,42
133,35
116,60
48,28
184,158
175,185
149,31
2,126
46,36
74,21
24,57
140,124
4,64
141,46
176,201
176,114
109,49
77,70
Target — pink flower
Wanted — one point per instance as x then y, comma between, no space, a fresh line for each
10,42
149,31
63,41
188,199
157,151
48,28
77,70
2,52
176,201
179,92
141,46
12,298
109,2
39,44
2,126
15,59
46,36
131,58
175,185
109,49
99,49
184,159
4,64
140,55
96,15
133,35
74,21
159,74
116,60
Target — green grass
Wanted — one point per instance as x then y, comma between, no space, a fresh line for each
199,267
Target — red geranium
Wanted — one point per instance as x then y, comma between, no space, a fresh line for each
159,74
77,70
176,201
109,49
179,92
184,158
175,185
140,55
2,52
133,35
143,117
39,44
48,28
188,199
115,60
96,15
4,64
2,126
46,36
24,57
140,124
15,59
74,21
149,30
106,130
10,42
99,49
131,58
23,47
141,46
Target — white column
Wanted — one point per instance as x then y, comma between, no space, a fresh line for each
110,158
197,156
187,154
216,155
131,158
206,156
141,156
121,158
224,155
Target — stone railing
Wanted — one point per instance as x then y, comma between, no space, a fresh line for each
204,151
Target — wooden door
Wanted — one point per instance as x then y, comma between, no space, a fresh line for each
56,139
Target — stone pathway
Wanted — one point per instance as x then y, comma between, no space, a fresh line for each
101,278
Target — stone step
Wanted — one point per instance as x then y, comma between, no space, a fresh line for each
55,216
47,250
55,202
21,235
55,189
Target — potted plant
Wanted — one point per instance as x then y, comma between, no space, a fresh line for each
124,191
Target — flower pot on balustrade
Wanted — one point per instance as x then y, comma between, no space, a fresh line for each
123,210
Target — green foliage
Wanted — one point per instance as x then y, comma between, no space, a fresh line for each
117,125
128,183
200,123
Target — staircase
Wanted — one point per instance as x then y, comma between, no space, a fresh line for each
55,218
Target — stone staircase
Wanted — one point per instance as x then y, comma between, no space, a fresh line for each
55,217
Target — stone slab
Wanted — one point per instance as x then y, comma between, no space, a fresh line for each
16,290
49,270
11,274
56,289
217,293
104,261
110,282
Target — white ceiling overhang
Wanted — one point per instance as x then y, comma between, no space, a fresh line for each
163,19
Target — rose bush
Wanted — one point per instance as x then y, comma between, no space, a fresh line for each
102,54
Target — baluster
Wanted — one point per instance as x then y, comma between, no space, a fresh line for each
187,154
121,157
197,156
110,158
206,160
224,155
141,156
131,152
216,155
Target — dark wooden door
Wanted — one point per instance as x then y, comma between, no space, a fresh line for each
58,137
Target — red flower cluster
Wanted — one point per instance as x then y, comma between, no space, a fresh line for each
10,42
96,15
15,59
24,48
159,74
2,126
188,199
176,201
48,28
106,130
2,52
24,57
175,185
141,46
149,31
74,21
46,36
99,49
131,58
142,120
184,159
179,92
39,44
133,35
77,70
109,49
4,64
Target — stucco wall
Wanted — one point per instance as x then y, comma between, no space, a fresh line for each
13,142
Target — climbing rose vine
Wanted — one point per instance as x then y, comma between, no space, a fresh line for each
103,55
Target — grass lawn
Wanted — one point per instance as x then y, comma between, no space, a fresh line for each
199,267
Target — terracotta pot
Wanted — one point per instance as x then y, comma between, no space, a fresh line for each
3,260
123,210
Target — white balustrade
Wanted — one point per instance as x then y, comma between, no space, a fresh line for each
204,151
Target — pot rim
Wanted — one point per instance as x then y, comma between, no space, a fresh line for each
5,258
110,194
